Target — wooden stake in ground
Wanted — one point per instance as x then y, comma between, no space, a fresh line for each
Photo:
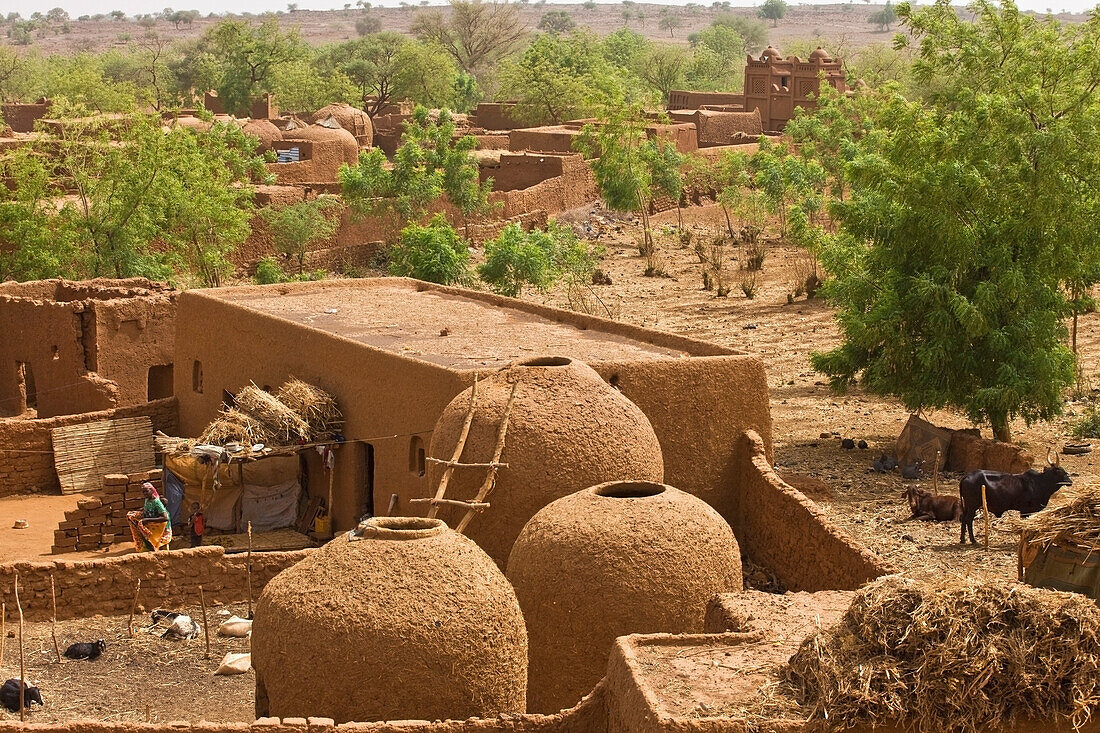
936,475
53,619
133,607
205,623
331,519
985,513
3,630
248,565
446,479
22,666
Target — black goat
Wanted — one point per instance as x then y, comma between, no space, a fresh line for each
86,650
9,695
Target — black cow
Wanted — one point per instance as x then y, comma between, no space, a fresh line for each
9,695
1026,492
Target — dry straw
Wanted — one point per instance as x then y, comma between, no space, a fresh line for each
953,657
231,426
281,423
1072,520
315,406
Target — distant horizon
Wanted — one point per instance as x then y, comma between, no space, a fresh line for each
76,8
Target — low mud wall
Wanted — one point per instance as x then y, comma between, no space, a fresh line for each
26,446
88,587
781,529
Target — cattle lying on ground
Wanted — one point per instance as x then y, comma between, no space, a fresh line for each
9,695
929,507
89,651
1026,492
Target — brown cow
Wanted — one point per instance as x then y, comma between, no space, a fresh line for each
929,507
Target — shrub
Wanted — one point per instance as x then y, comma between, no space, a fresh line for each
434,253
540,259
1088,426
269,272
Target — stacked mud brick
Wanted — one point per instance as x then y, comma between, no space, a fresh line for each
100,521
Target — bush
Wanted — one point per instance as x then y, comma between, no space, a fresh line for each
434,253
1088,426
269,272
540,259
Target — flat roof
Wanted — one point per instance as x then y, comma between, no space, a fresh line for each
452,327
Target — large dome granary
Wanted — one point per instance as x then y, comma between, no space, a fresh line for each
352,119
349,148
615,559
401,619
567,430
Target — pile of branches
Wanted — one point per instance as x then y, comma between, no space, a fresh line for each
234,426
1072,520
280,422
953,657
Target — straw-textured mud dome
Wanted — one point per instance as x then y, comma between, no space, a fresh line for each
410,621
567,430
615,559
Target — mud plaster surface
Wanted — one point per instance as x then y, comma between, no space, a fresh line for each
408,322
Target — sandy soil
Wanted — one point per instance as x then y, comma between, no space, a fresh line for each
840,25
43,512
867,505
144,678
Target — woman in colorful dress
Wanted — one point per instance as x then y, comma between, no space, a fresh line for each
152,526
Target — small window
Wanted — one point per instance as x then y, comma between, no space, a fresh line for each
160,382
196,376
418,459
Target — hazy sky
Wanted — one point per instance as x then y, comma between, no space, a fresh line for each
132,7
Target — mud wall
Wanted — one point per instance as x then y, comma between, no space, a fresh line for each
325,159
494,116
553,139
21,117
88,587
26,446
523,170
725,128
684,99
781,529
576,186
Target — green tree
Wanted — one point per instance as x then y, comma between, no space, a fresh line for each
773,10
295,227
884,18
664,68
476,33
553,81
367,24
670,21
434,253
631,169
518,258
557,22
969,222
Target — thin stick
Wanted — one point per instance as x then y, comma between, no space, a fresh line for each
22,666
3,630
248,563
331,513
393,505
53,620
446,479
491,478
442,462
133,607
205,624
451,502
936,475
985,513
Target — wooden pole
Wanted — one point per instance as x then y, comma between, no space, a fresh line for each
3,631
985,513
936,475
205,624
491,477
331,513
53,619
133,607
22,666
248,563
446,479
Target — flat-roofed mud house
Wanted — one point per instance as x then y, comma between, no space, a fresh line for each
395,352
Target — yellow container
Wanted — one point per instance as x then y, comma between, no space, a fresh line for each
320,525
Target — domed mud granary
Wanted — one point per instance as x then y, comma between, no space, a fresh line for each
615,559
402,619
567,430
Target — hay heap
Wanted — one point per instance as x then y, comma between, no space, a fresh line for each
957,657
282,424
313,405
1072,520
231,426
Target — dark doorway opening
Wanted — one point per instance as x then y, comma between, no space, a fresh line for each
366,484
160,384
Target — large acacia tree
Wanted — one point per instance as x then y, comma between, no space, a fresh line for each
973,217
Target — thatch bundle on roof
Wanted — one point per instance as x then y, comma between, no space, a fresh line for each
232,426
1071,520
282,424
957,657
315,406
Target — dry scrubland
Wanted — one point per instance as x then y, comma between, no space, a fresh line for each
843,26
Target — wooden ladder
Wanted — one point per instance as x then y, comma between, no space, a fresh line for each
479,503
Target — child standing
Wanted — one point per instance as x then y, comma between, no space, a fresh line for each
196,523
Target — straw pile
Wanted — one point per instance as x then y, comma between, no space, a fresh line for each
315,406
958,657
231,426
1072,520
282,424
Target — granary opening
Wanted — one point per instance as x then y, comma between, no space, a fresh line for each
629,489
367,484
159,382
196,377
546,361
417,456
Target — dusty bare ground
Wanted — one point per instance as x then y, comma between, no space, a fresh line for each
144,678
865,504
839,25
